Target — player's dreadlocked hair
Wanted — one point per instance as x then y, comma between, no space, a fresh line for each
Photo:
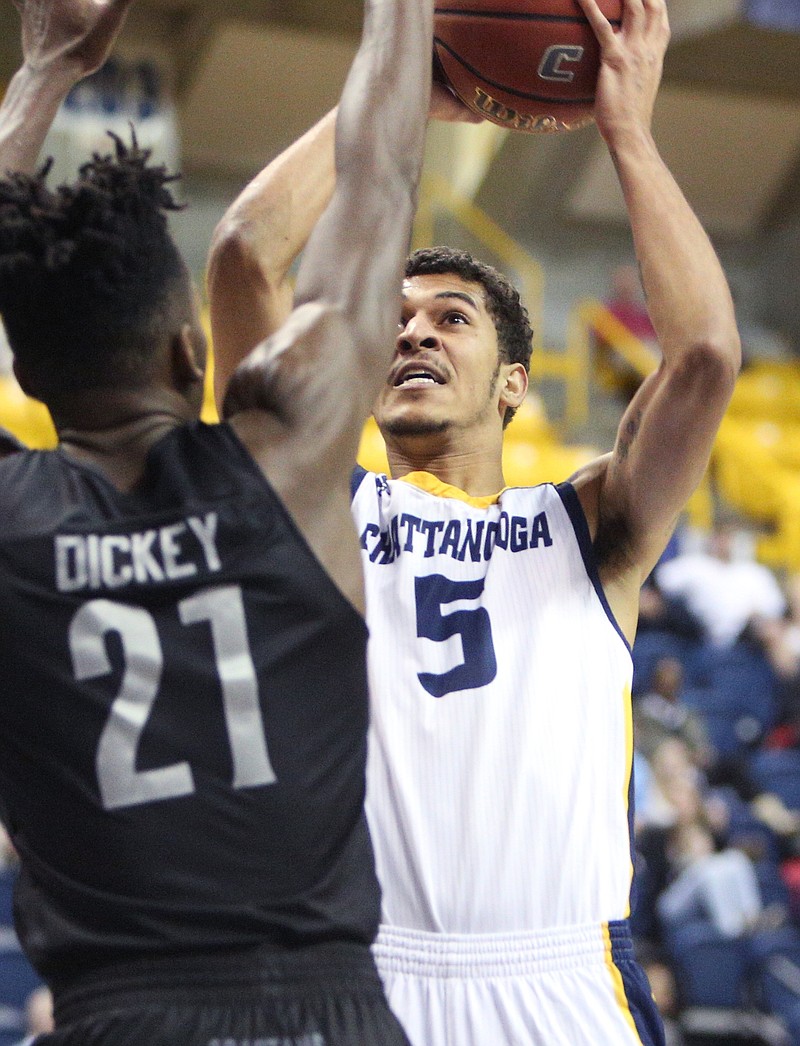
89,275
514,334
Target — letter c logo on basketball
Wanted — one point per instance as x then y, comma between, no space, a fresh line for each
550,67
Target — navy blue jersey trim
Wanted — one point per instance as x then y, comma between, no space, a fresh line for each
632,824
356,480
572,504
646,1018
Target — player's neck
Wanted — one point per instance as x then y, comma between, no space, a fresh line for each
476,471
115,431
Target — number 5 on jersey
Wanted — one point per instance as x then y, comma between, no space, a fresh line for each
120,783
479,666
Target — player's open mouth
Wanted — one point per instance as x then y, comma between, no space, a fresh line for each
411,376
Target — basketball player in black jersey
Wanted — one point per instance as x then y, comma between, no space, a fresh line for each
184,709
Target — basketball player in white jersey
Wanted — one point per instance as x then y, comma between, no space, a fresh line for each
501,620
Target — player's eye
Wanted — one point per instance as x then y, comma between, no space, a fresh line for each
456,318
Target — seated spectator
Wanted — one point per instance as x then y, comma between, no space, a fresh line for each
38,1015
676,786
720,885
659,713
724,588
780,640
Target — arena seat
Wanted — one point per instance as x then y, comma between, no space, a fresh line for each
8,877
17,980
714,968
776,965
12,1026
778,771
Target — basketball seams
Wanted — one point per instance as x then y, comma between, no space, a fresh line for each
510,90
525,65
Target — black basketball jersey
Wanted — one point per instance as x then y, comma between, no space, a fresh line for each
183,713
9,444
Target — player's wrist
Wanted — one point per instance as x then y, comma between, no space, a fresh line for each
49,76
627,137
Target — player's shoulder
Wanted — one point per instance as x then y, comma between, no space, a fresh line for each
32,486
362,480
210,457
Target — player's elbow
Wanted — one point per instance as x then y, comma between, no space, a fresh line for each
709,367
235,256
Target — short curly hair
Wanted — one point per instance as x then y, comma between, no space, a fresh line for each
90,277
514,333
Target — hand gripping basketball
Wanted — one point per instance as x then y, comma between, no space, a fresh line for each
632,61
527,65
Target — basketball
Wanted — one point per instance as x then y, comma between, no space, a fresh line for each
527,65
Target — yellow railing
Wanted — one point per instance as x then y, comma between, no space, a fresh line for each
439,196
600,321
591,320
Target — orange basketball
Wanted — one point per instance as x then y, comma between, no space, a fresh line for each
527,65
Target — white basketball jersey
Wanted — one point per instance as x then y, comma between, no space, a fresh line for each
499,769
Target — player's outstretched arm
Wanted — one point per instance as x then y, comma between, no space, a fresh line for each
329,360
666,435
62,42
255,245
299,400
250,291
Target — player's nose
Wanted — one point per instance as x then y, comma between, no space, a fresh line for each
418,333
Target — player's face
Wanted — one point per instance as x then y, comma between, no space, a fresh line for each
445,374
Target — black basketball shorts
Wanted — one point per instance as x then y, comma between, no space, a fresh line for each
327,995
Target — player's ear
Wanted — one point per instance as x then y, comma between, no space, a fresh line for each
188,357
514,388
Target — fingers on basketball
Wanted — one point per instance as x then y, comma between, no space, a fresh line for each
527,65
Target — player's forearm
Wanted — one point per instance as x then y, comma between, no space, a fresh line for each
256,243
387,114
687,292
272,219
27,113
380,138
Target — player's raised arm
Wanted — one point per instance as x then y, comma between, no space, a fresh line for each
250,291
299,400
666,435
262,233
62,42
319,375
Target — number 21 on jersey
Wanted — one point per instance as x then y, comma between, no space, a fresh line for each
120,783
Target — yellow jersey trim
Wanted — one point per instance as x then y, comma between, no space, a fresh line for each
619,986
430,484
